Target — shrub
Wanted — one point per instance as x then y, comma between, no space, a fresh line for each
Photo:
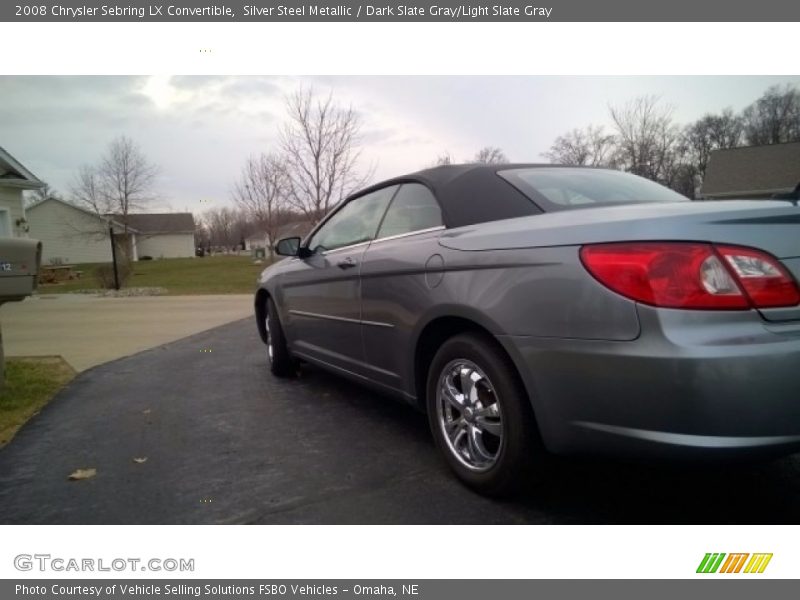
145,257
104,275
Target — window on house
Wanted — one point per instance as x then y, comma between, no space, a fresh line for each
5,223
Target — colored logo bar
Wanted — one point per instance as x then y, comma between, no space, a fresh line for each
719,562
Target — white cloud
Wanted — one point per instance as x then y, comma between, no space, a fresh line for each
199,129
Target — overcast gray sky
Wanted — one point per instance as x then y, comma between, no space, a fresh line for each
200,129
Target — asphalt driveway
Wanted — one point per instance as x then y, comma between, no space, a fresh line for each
227,443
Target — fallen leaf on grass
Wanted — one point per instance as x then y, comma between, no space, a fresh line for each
82,474
140,460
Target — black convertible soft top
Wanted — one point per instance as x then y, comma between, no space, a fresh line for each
472,193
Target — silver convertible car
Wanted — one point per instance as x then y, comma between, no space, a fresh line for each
535,309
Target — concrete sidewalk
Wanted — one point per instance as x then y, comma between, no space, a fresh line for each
88,331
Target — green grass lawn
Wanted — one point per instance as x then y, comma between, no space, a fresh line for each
179,276
30,384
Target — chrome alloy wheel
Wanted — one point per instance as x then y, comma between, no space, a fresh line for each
469,415
270,346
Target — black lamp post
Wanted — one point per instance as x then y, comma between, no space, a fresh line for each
113,254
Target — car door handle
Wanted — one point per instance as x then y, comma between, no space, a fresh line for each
347,263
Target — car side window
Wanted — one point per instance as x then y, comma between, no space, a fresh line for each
354,223
414,208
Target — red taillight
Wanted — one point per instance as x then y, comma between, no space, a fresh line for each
763,278
691,275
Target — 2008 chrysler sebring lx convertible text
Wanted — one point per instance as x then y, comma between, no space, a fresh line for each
532,309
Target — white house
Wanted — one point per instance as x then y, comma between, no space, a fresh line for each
163,235
14,179
71,234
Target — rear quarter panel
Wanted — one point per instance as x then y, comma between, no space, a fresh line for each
541,292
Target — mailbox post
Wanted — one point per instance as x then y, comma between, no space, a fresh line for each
19,271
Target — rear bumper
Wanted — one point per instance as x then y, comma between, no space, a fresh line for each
711,384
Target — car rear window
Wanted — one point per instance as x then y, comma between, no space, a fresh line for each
567,188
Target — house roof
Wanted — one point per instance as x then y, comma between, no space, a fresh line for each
14,174
752,170
150,223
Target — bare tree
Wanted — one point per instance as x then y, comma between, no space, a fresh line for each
86,190
444,159
121,183
647,139
221,224
490,155
261,193
127,177
226,227
699,139
774,118
243,226
201,234
590,146
320,148
726,130
680,176
40,195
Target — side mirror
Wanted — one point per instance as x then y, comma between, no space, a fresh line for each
288,247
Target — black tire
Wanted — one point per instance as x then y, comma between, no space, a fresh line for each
518,451
281,363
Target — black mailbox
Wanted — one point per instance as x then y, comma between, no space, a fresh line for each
20,259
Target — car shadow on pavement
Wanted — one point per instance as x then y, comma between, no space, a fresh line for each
608,491
595,490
